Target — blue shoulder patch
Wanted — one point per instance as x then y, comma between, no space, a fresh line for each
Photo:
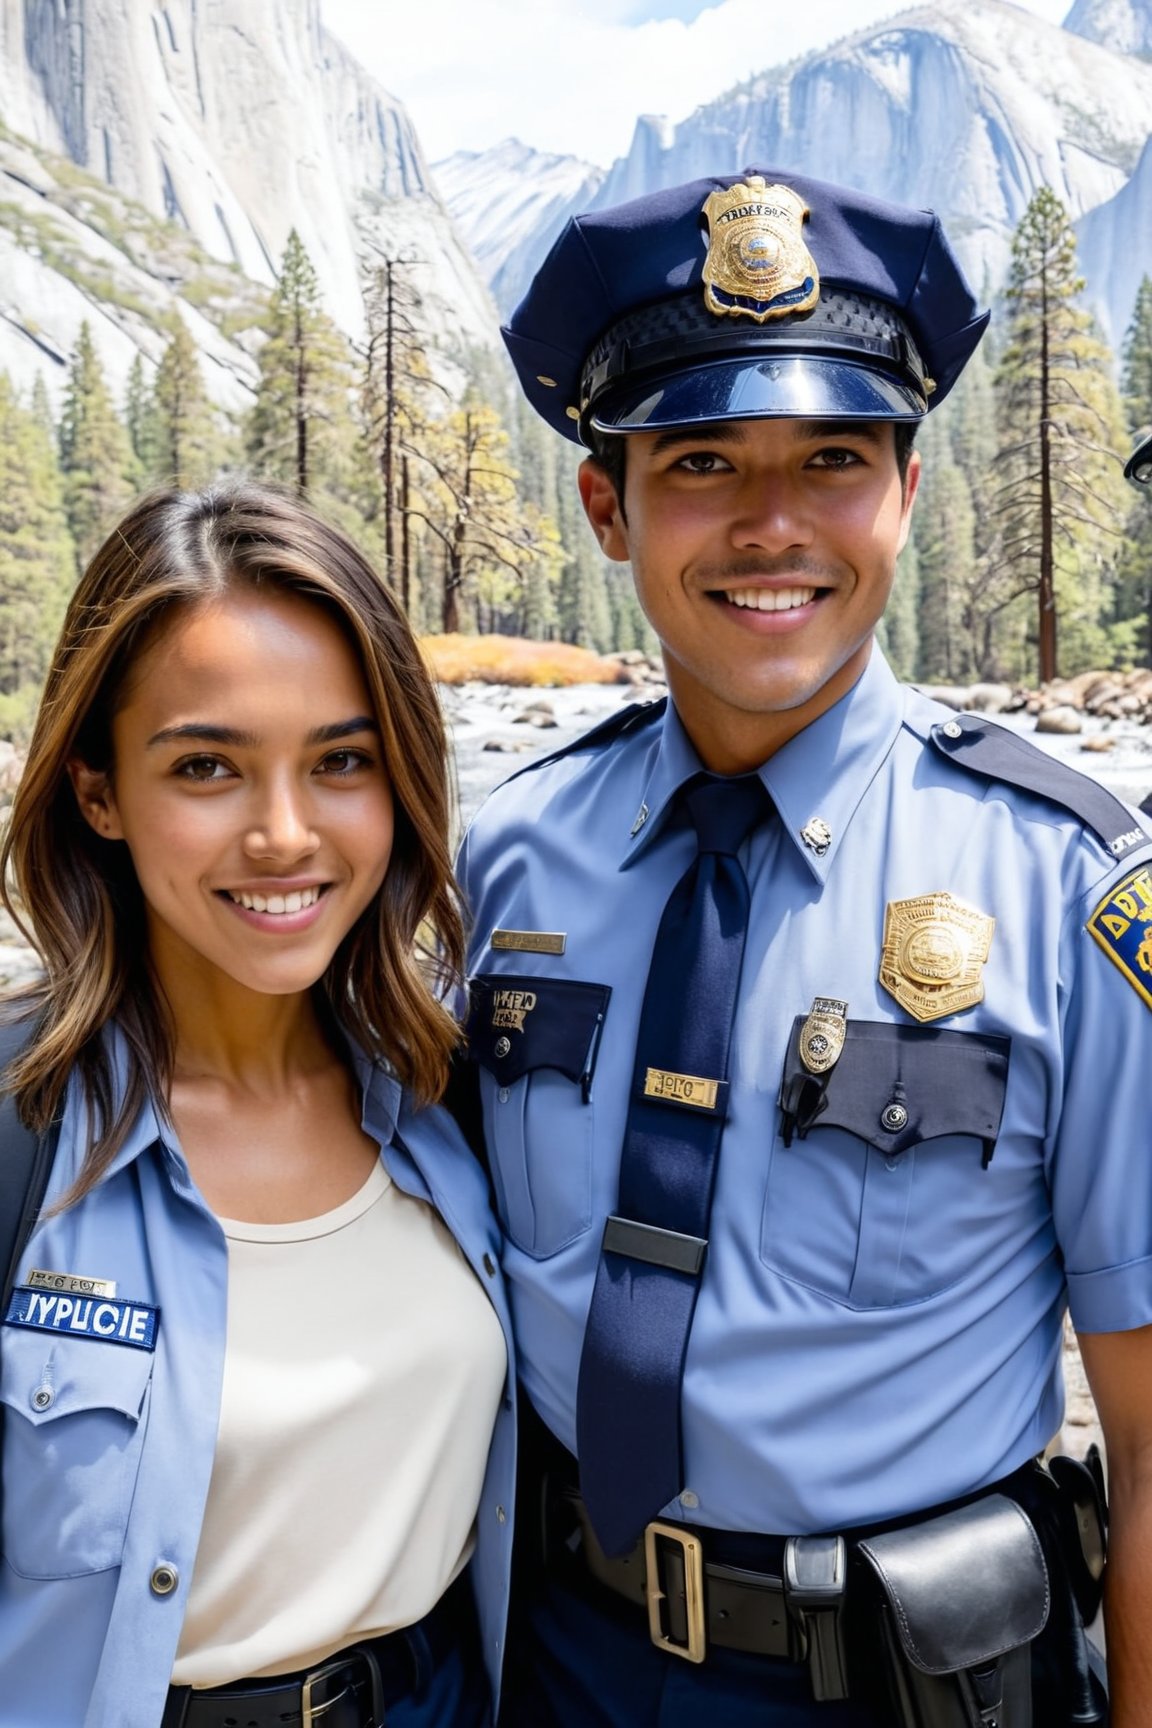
1122,924
629,719
998,754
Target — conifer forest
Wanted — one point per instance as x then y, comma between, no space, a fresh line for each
1030,556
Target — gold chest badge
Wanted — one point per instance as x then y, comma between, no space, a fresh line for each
934,953
758,264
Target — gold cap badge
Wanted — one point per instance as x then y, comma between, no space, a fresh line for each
758,265
934,951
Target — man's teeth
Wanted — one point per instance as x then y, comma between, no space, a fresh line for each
770,599
297,901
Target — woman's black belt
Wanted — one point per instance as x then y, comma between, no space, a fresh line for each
351,1689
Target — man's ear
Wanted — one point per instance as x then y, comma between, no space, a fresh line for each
94,795
910,489
604,510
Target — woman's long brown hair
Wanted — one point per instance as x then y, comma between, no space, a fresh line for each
76,896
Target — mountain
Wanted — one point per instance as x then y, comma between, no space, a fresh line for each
514,201
232,121
1125,26
966,107
1119,231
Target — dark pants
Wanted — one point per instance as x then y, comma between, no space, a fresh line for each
578,1661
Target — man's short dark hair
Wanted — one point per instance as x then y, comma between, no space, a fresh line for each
607,450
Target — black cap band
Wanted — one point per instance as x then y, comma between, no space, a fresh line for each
674,334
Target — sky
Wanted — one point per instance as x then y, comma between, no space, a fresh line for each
572,75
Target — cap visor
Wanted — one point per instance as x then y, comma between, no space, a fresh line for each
794,387
1139,465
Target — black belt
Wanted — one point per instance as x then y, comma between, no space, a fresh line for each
352,1689
694,1599
764,1595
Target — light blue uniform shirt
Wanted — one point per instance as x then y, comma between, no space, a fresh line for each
874,1333
108,1449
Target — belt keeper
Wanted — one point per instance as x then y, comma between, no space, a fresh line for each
815,1580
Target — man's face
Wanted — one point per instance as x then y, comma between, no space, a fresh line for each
763,553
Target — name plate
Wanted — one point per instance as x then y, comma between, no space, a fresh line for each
70,1283
530,941
690,1089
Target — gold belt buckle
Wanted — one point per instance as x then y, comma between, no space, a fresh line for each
693,1551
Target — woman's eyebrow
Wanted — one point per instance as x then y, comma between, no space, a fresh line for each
203,731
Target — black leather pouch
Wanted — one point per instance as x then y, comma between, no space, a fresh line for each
958,1600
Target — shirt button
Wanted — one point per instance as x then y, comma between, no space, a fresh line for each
501,1515
503,1094
164,1579
689,1499
43,1398
489,1265
953,729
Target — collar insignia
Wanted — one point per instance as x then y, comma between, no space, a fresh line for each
758,265
934,953
817,835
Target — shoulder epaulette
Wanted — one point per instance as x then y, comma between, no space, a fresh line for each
991,750
629,719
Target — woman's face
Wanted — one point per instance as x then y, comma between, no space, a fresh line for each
249,787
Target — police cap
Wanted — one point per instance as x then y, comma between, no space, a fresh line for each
1139,465
750,296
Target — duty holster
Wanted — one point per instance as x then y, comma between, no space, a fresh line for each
957,1601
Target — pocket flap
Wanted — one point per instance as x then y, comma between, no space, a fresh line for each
44,1377
896,1086
965,1587
517,1023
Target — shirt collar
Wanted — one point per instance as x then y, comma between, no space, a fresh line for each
816,780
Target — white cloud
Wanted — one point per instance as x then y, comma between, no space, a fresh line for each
572,75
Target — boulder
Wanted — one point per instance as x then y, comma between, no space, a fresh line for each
1062,719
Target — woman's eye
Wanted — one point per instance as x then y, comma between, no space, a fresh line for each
342,762
201,768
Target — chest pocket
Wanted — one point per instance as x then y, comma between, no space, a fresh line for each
74,1421
878,1163
536,1040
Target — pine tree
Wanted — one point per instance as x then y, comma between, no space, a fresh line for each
1056,493
138,414
303,430
37,559
182,444
100,470
1135,564
1138,361
468,502
946,568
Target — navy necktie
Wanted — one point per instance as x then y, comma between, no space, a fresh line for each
652,1256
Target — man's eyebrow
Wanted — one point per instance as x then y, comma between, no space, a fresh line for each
715,432
203,732
735,432
867,429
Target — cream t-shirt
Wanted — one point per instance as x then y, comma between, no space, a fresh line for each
363,1373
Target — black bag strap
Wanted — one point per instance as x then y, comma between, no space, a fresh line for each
25,1165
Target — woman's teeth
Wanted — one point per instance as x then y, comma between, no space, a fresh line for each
770,599
297,901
